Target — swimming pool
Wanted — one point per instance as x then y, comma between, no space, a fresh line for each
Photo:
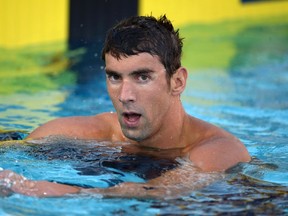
248,97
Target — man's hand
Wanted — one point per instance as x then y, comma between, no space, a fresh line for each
13,182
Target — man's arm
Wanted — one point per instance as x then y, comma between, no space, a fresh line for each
173,183
82,127
219,154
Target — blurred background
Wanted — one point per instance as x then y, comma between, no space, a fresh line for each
236,52
50,63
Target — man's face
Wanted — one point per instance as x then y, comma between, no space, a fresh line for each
140,94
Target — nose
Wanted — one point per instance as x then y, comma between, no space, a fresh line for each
127,93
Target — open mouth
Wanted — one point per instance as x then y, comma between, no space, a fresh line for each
131,118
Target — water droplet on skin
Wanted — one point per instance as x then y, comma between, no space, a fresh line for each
31,184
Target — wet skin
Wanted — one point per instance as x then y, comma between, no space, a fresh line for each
139,92
146,105
149,113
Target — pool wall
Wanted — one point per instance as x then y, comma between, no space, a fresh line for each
33,22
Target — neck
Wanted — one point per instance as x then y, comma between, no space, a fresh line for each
170,135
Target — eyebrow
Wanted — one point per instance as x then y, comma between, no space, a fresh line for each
141,71
133,73
110,72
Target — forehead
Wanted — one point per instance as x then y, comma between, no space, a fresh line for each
133,62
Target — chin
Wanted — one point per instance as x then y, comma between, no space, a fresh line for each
133,136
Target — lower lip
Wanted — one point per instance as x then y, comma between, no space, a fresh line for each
131,122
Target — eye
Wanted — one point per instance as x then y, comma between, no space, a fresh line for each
113,77
143,78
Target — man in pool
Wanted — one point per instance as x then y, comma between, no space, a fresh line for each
145,80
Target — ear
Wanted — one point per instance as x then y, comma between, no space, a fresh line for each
178,81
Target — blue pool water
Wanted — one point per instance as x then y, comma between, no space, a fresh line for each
252,108
250,101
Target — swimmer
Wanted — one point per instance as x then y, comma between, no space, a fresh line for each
145,80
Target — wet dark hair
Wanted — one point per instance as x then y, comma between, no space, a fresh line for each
141,34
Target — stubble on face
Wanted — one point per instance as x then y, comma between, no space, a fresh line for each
142,117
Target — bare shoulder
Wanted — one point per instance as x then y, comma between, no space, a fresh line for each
218,150
100,126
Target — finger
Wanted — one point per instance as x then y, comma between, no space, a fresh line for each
5,192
